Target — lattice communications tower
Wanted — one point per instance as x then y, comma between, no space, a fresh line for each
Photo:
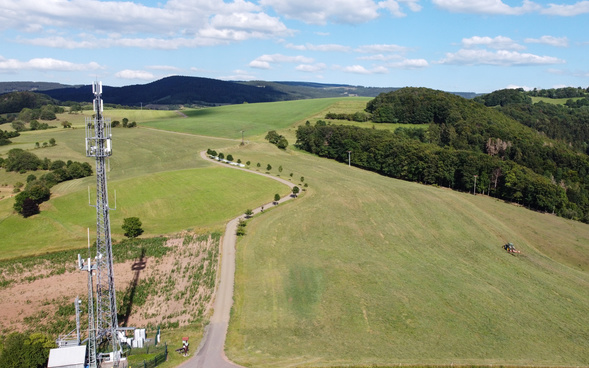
98,145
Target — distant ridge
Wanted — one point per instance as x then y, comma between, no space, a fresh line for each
7,87
176,90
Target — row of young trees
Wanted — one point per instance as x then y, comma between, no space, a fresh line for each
359,116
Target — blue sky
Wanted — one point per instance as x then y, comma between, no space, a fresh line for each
453,45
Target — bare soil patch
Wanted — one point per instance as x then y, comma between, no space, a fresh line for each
171,290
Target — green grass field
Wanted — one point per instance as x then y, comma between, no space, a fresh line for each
361,270
369,270
556,101
166,202
157,178
254,119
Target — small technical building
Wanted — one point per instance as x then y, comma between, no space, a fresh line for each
67,357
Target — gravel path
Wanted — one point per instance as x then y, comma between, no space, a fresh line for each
211,352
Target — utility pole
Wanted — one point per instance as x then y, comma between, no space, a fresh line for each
242,142
349,158
475,185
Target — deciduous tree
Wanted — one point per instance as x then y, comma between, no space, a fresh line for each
132,227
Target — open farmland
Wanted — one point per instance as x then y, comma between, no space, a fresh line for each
253,119
361,269
156,176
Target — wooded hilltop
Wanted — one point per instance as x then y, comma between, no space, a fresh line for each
538,160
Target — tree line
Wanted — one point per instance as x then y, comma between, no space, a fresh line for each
404,158
567,123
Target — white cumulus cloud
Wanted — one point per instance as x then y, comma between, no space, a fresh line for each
339,11
568,10
266,61
499,42
394,6
45,64
410,64
550,40
311,68
324,48
320,12
135,74
498,7
486,6
359,69
376,49
177,23
499,57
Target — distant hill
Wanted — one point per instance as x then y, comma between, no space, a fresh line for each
174,90
7,87
195,90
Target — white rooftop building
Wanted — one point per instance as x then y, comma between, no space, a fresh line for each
68,357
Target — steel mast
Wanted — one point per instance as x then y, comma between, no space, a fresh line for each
98,145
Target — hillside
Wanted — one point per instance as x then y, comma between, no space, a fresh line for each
360,270
366,270
511,160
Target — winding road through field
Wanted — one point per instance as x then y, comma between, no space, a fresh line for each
211,352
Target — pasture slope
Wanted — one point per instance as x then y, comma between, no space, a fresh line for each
158,176
367,270
363,269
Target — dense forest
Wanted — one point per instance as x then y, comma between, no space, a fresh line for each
464,141
16,101
568,123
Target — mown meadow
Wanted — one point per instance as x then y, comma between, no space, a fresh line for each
361,269
368,270
158,176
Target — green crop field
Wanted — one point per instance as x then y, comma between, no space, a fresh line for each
361,270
